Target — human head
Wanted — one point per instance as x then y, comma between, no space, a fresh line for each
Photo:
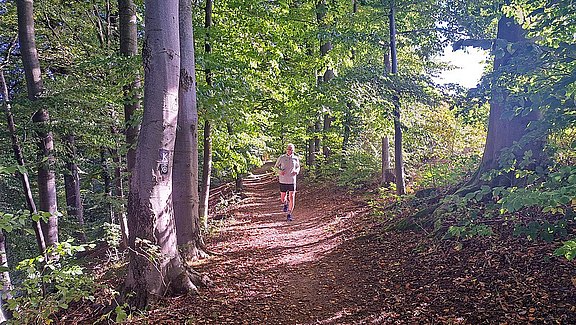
290,149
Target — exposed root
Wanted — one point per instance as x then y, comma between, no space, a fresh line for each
199,279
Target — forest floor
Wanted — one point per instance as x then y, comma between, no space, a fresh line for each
335,264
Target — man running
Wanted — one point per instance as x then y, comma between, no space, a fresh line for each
288,168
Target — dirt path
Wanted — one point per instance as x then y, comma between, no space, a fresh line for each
276,272
332,265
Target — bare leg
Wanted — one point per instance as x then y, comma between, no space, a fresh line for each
291,199
283,197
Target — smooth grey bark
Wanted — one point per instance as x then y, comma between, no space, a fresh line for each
348,113
46,175
207,142
155,267
185,172
398,156
72,188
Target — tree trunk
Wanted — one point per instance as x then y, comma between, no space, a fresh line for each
17,150
107,180
317,131
72,188
185,172
155,268
387,174
347,127
325,47
311,159
46,174
129,47
119,210
207,148
504,132
206,172
398,157
5,278
326,129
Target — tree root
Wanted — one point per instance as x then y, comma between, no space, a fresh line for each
199,279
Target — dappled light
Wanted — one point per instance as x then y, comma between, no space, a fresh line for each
334,265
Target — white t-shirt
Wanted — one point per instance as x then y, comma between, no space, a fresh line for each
288,164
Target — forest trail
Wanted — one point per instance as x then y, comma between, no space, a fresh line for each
313,270
334,265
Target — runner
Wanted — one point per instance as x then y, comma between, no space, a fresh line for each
288,168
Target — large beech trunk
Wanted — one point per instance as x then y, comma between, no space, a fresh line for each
504,132
185,172
155,267
41,119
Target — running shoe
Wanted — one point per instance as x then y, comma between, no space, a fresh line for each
285,208
289,217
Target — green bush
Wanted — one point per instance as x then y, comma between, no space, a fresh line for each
568,250
51,282
359,169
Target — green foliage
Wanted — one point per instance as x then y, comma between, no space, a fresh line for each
444,172
468,230
542,230
458,218
113,235
553,192
11,221
359,169
568,250
51,282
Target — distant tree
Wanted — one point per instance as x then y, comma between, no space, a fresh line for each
398,155
46,175
72,187
128,31
129,47
207,142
